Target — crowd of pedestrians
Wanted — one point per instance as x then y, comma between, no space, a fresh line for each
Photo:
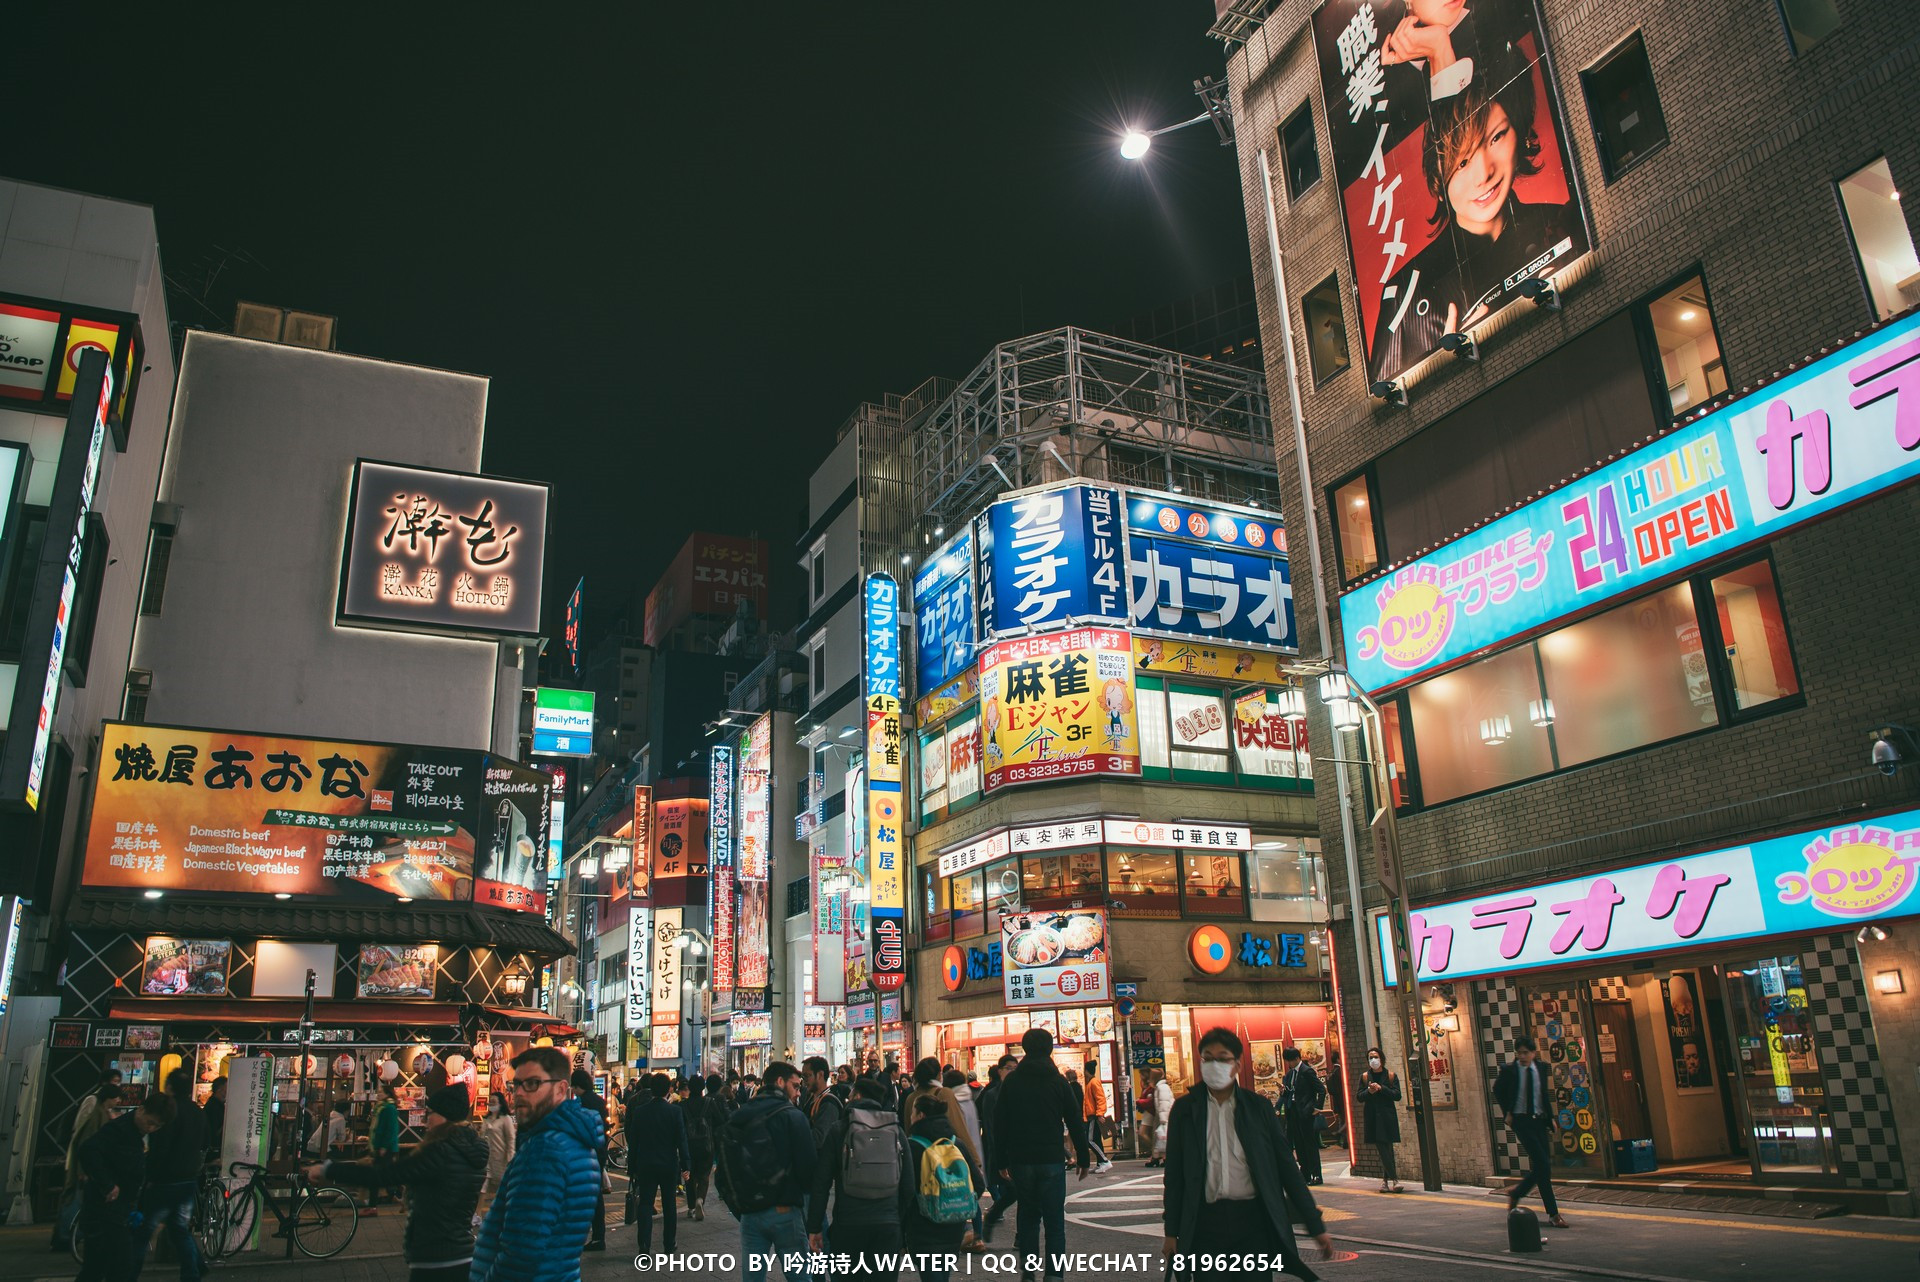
885,1169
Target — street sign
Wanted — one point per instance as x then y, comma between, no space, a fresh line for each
1126,990
1126,1005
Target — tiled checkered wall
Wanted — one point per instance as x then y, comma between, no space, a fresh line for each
1502,1020
1866,1146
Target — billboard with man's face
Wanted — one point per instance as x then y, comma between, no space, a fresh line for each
1450,151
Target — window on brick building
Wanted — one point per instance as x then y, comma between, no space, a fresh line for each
1356,527
1809,22
1691,368
1326,330
1753,637
1302,152
1625,107
1882,245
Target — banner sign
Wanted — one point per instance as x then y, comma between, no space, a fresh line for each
639,985
720,842
1052,558
1211,593
1825,879
750,1029
435,551
1137,832
562,722
943,614
666,970
397,970
191,967
886,799
949,698
1829,434
1169,516
858,891
1202,659
1266,743
1053,958
1450,154
207,811
756,803
829,929
1058,706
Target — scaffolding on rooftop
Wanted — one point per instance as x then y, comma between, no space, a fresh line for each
1072,403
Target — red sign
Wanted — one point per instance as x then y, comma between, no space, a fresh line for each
712,575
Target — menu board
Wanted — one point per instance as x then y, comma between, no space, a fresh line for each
1051,957
217,812
194,967
398,970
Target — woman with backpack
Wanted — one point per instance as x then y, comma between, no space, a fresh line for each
947,1185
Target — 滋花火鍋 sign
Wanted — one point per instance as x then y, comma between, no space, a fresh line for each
209,811
1050,958
1829,434
1826,879
1058,706
1409,98
443,552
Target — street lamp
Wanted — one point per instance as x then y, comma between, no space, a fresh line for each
1136,142
514,982
1352,708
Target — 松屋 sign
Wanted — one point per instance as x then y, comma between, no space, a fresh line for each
886,799
1835,431
435,551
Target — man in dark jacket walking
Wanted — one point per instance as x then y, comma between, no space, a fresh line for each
1034,1107
869,1175
997,1182
1522,1091
114,1162
1230,1177
659,1161
175,1156
582,1082
826,1115
540,1218
1301,1095
765,1169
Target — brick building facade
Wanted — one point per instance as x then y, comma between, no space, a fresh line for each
1750,211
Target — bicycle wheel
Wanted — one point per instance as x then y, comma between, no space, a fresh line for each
325,1222
242,1208
78,1245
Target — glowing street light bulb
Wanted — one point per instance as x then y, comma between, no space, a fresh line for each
1135,144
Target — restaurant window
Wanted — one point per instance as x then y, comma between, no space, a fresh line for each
1691,368
1626,678
1198,719
1625,107
1354,528
1151,708
1213,884
1473,729
936,917
1753,637
1302,152
1058,881
1882,245
969,904
1326,330
1003,891
1809,22
1142,884
1286,880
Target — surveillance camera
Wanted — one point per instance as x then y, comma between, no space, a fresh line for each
1886,757
1894,747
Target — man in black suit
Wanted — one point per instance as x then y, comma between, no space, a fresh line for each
1521,1091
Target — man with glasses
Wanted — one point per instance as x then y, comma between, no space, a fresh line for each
1231,1176
540,1218
766,1165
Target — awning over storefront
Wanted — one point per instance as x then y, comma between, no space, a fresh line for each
215,1010
533,1019
448,924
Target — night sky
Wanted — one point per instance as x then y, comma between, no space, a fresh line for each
682,245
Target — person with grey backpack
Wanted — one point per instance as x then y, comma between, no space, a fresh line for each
871,1177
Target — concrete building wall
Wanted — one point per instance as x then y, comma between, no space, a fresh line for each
264,442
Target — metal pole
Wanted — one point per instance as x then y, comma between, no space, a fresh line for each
306,1035
1311,521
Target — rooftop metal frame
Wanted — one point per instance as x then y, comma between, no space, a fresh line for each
1072,403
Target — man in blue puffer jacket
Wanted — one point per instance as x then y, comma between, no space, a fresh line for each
539,1220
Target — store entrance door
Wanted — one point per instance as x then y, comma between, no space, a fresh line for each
1782,1092
1617,1062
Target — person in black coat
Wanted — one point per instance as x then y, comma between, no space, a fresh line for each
113,1162
1033,1109
443,1176
176,1155
933,1123
1301,1094
1238,1206
699,1145
659,1160
865,1228
1380,1116
1524,1093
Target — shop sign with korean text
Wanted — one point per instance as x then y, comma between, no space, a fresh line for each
1059,705
1048,958
1834,878
886,799
208,811
1213,573
435,551
1840,429
1050,559
720,842
943,614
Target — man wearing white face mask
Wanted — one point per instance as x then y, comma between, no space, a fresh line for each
1232,1186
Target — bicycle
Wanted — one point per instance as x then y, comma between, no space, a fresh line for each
321,1221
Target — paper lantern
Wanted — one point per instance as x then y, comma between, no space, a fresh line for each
389,1069
343,1066
455,1064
